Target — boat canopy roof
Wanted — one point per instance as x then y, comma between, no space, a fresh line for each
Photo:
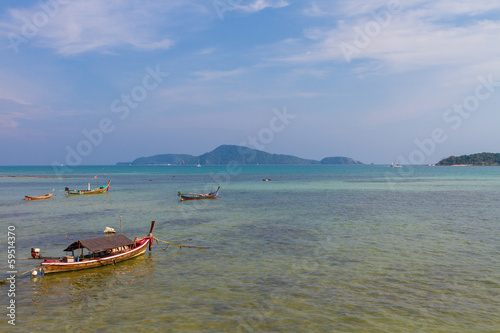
101,243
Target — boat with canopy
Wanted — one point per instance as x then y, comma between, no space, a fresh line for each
102,251
97,190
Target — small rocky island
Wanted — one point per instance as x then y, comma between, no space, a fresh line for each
481,159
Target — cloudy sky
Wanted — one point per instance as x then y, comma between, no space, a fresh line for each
98,82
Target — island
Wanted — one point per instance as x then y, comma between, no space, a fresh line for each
339,160
481,159
227,154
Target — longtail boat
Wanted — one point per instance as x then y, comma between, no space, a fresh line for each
197,196
40,197
100,189
103,251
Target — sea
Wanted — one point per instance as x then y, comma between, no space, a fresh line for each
317,248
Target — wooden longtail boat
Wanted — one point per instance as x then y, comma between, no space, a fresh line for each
40,197
100,189
103,251
197,196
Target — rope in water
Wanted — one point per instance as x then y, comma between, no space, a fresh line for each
180,245
15,276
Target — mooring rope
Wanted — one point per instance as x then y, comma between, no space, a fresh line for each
180,245
15,276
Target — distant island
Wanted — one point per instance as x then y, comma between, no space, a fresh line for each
226,154
481,159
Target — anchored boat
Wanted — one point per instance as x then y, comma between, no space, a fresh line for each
102,251
100,189
40,197
197,196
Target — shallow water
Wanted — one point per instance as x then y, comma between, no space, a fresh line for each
316,249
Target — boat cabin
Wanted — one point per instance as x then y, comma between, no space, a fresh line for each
101,247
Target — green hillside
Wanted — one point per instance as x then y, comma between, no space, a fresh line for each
242,155
482,159
160,159
339,160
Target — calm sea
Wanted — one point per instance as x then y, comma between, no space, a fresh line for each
316,249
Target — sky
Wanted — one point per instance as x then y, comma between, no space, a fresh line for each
88,82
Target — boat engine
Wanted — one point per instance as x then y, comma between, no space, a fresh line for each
35,253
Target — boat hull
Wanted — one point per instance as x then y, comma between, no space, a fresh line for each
58,266
212,195
39,197
77,192
185,197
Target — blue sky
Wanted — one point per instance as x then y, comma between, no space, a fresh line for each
98,82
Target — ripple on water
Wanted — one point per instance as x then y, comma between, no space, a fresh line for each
334,250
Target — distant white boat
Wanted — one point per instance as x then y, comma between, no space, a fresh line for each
395,165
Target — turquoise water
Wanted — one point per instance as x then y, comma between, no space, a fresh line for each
316,249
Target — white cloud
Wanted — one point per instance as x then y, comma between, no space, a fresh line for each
18,89
259,5
427,9
93,25
8,121
12,98
80,26
415,35
316,11
12,113
448,8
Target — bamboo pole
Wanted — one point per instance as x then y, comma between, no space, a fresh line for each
15,276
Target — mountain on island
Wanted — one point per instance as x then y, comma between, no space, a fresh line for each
339,160
481,159
231,154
